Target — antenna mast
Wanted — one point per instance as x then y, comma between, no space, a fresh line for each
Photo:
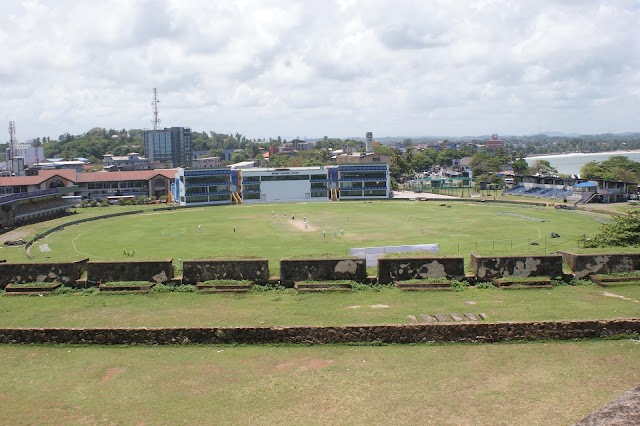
12,142
154,104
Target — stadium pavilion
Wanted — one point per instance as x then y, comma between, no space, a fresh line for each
256,185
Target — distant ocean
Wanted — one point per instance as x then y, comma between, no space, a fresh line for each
571,164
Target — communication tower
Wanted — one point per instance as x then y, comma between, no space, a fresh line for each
12,143
154,104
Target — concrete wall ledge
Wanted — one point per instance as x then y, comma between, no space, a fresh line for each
422,333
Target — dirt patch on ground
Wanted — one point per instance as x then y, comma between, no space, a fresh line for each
16,234
299,225
304,364
378,306
607,294
111,373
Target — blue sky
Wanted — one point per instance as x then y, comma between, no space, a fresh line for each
340,68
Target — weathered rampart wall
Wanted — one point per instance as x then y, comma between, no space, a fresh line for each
423,333
66,273
407,268
156,271
292,270
584,265
489,267
256,270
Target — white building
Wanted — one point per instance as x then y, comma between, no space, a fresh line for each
32,154
206,162
269,185
131,161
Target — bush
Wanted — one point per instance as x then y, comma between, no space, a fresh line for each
227,282
371,287
578,281
258,288
459,285
624,231
486,285
63,290
161,288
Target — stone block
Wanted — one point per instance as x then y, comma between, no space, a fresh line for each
394,269
197,271
487,268
585,265
332,269
66,273
155,271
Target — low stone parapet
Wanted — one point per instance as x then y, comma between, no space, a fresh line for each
584,265
196,271
332,269
415,333
66,273
393,269
155,271
487,268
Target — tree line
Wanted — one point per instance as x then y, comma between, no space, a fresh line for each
406,157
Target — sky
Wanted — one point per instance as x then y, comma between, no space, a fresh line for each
310,69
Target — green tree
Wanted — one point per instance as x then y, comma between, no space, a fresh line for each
520,166
623,231
592,170
542,168
239,157
617,167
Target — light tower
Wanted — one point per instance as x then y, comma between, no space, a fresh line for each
154,104
12,143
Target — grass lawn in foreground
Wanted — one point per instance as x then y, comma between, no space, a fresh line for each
458,227
272,308
545,383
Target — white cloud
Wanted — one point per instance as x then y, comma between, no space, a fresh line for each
337,68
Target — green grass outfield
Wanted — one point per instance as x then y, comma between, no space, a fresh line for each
540,383
458,229
288,308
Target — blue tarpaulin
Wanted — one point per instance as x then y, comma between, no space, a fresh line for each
586,184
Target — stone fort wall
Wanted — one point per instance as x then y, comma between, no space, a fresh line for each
406,334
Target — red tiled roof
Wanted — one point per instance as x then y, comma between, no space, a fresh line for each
42,176
128,175
72,176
